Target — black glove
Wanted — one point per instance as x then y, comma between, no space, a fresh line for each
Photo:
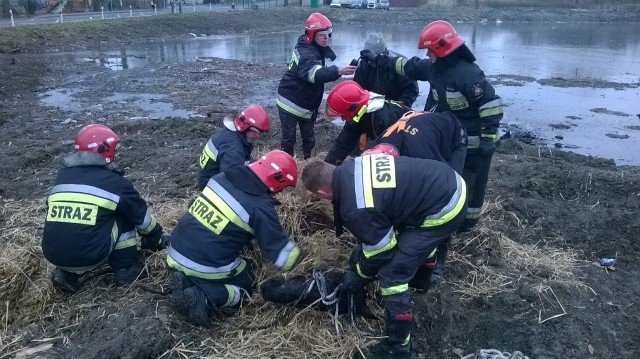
487,146
155,243
368,55
352,283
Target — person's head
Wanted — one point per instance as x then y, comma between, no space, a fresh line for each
440,39
99,139
253,121
317,177
348,100
386,148
276,169
375,42
317,29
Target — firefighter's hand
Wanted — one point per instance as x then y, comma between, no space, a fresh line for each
352,283
155,243
487,146
347,70
368,55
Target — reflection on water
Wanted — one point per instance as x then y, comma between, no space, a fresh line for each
527,52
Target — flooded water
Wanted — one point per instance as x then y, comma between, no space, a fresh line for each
530,65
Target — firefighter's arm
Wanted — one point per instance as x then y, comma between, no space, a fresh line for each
344,144
311,70
378,239
275,245
135,210
490,111
231,154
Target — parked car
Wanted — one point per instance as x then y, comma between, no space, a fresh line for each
383,4
372,4
335,3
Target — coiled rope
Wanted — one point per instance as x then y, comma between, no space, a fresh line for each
495,354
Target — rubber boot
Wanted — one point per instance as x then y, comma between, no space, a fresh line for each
440,271
124,276
178,282
398,343
421,282
199,307
66,281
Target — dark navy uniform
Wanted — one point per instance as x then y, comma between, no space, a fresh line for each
432,136
234,207
391,85
94,214
300,93
458,85
225,149
372,123
400,209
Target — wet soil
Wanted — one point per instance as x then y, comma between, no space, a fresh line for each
541,198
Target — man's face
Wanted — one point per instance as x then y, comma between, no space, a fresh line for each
432,56
252,135
322,38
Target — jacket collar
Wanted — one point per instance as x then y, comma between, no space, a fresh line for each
84,159
245,180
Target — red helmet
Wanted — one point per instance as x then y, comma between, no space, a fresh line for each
316,22
385,148
253,116
276,169
347,99
440,37
97,138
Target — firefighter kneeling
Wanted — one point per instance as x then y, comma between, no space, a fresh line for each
236,205
93,214
400,209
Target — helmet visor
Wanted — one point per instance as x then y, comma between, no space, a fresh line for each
325,32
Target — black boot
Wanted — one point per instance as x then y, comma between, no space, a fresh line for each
66,281
124,276
421,282
440,270
200,309
398,343
178,282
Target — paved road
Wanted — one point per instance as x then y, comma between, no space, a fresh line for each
42,17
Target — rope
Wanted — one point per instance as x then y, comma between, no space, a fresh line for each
495,354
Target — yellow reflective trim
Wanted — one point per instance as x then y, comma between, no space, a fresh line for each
78,213
114,233
312,73
396,289
227,211
208,215
494,111
131,242
291,259
231,294
392,243
306,114
407,340
385,171
360,113
82,198
366,182
432,222
149,227
192,273
359,271
433,253
400,66
206,155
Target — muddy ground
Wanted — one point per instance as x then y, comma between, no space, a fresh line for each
525,279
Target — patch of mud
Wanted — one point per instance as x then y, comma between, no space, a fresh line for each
578,82
609,112
617,135
634,128
511,80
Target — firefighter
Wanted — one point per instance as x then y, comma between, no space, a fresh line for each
235,206
400,209
457,85
364,112
302,86
436,136
94,215
232,144
391,85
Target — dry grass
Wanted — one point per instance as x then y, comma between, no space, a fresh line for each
27,296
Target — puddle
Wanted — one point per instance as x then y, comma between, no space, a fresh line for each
135,106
